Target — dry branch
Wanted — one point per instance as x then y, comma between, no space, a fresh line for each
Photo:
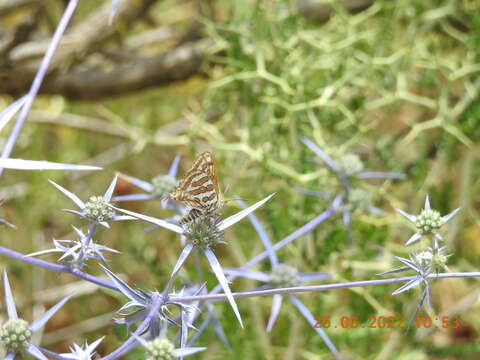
74,76
179,64
8,6
85,36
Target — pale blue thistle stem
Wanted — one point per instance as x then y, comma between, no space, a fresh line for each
37,81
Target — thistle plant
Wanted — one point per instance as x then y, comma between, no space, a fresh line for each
24,104
349,165
16,333
349,169
204,234
267,69
96,209
428,223
76,253
85,352
161,348
424,262
20,164
150,309
282,276
212,319
269,253
141,304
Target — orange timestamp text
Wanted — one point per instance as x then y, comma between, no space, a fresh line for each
387,322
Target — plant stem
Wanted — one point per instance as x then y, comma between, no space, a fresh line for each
312,224
37,81
56,267
299,289
245,294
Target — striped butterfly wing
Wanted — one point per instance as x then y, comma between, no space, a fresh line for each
199,187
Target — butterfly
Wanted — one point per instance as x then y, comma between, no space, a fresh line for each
199,189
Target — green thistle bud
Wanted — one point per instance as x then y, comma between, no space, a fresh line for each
160,349
96,209
284,276
163,185
439,261
15,335
428,221
350,164
203,231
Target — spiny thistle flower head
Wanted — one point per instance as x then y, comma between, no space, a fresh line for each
423,263
284,276
430,259
77,252
141,303
77,255
428,221
96,209
424,258
350,164
160,349
15,334
203,231
163,185
75,259
86,352
439,261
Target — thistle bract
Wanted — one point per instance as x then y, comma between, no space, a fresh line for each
163,185
439,261
86,352
96,209
15,335
428,221
284,276
160,349
203,231
424,258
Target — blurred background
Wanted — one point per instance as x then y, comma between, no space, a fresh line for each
394,82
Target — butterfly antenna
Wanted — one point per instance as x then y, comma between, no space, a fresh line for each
236,198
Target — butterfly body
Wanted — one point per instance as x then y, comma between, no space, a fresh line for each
199,188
